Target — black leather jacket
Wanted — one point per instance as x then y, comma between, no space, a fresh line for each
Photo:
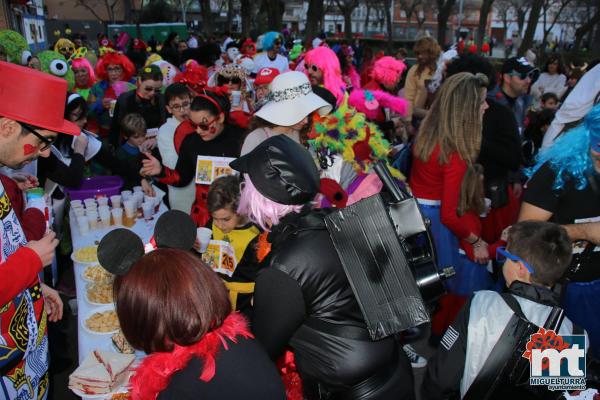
306,283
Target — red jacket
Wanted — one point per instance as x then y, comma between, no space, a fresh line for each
434,181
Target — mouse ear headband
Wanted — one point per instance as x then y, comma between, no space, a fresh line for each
121,248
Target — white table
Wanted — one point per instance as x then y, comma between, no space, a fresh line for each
88,342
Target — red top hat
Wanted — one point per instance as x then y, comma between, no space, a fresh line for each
35,98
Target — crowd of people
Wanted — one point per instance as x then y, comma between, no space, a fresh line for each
503,161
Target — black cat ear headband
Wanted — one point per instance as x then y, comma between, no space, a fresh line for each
121,248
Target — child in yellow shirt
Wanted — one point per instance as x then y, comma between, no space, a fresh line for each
229,226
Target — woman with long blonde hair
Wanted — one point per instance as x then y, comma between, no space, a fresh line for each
447,144
427,50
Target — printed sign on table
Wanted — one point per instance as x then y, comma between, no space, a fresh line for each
210,168
220,256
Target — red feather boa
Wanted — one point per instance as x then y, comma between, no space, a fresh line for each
154,373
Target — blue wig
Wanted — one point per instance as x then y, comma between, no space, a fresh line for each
269,40
569,156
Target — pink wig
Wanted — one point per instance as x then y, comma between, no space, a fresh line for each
387,71
83,62
369,102
326,60
258,208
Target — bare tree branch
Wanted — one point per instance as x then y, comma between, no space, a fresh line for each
85,4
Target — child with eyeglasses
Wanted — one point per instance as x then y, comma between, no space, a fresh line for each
178,99
536,257
147,100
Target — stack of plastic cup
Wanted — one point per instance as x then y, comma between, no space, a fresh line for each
117,216
137,189
104,212
92,220
139,199
130,212
148,210
126,195
89,203
102,201
79,212
76,204
83,225
115,201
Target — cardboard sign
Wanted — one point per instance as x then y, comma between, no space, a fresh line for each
220,256
210,168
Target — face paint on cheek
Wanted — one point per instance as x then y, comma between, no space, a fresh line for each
29,149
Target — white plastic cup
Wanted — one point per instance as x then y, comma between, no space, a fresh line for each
488,206
104,212
139,198
126,194
148,210
89,212
83,225
89,203
79,212
76,203
130,208
150,199
236,98
115,201
137,189
102,201
117,214
203,235
93,221
111,108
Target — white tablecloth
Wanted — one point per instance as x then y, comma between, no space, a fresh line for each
87,342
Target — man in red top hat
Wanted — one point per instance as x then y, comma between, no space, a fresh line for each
31,115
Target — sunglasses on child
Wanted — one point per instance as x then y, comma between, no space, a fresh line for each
233,81
502,254
314,68
66,49
205,125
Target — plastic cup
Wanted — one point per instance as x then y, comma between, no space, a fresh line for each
150,199
236,98
93,221
488,206
89,203
139,199
111,108
126,195
117,216
148,210
130,208
102,201
83,225
104,213
76,203
203,235
115,201
137,189
79,212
